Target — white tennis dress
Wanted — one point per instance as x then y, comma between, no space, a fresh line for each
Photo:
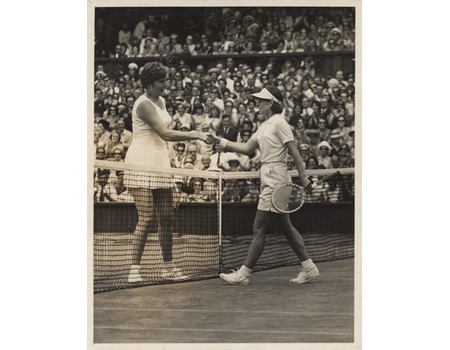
148,149
271,137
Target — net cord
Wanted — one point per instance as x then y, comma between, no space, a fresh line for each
208,174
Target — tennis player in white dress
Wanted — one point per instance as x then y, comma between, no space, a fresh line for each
153,193
274,138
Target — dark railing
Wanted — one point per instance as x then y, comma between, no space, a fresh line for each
326,63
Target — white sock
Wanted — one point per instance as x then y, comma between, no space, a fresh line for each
307,264
245,271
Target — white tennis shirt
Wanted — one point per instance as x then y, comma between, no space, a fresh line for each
271,137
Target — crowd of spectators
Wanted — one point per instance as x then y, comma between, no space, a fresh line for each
217,99
231,31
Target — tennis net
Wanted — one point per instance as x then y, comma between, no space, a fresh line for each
200,224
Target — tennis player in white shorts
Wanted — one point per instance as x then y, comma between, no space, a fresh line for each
274,138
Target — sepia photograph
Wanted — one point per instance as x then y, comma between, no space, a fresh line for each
224,172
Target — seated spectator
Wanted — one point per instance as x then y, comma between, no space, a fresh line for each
210,189
303,149
198,195
247,127
103,191
313,142
177,158
335,164
323,158
198,117
204,164
214,118
121,192
97,134
342,129
345,160
219,159
312,163
226,130
113,142
117,154
100,153
182,118
335,141
324,132
179,192
103,128
192,152
313,120
233,163
125,135
230,192
187,163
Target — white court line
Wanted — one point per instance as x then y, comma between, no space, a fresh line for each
303,313
222,330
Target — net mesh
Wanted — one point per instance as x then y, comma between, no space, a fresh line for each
164,226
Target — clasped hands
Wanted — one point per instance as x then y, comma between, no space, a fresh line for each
209,138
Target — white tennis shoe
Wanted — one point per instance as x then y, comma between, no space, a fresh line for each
134,277
306,274
174,274
234,278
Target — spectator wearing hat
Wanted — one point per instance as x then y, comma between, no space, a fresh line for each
335,141
339,43
324,158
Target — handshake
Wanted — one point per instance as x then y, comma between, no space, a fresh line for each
209,138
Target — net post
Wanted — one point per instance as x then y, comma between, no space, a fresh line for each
220,209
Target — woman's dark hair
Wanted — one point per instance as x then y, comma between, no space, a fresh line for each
152,72
276,108
314,159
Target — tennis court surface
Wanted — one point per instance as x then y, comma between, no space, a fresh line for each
268,310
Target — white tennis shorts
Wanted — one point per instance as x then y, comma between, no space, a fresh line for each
273,175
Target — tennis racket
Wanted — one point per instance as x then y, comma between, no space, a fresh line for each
289,198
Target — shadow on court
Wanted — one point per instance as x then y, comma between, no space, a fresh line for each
268,310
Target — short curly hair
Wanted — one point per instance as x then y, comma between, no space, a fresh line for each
152,72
